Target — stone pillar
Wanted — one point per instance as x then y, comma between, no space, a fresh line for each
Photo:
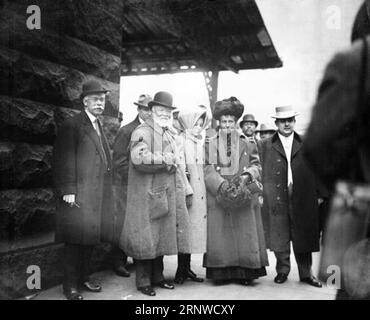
42,72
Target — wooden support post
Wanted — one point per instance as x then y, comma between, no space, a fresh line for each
211,80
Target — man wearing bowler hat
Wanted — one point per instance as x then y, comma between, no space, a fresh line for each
157,220
291,196
249,126
82,177
120,179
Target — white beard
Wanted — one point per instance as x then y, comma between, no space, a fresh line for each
161,122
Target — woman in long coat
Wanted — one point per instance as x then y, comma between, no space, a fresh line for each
235,242
193,123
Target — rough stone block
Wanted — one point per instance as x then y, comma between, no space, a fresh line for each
26,212
58,48
35,122
38,80
98,22
25,165
49,258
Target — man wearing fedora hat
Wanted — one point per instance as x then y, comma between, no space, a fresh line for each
120,179
265,131
157,220
82,178
249,126
291,197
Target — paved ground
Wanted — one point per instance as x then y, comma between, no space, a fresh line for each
117,288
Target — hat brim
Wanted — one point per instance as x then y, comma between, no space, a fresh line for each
267,130
151,104
285,115
141,105
86,93
244,121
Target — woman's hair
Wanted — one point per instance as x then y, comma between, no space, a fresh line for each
361,26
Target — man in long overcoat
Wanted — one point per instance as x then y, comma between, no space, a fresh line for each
157,220
291,198
121,155
82,177
236,248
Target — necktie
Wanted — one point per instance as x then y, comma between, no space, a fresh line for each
98,131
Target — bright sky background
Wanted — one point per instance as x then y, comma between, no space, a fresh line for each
306,34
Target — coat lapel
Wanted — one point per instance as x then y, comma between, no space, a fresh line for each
91,132
297,144
277,145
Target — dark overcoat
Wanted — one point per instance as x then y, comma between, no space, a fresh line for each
79,168
121,155
337,138
301,224
157,220
235,236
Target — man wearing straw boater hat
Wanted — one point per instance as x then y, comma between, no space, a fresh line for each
120,179
290,194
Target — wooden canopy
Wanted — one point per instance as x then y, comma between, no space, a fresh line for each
168,36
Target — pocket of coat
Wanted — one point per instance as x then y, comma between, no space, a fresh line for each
158,203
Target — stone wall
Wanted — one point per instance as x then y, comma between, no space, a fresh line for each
41,76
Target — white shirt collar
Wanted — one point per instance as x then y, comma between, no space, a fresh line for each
285,139
141,120
91,117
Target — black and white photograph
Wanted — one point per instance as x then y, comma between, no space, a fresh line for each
198,152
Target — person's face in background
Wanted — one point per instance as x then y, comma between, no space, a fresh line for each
227,122
95,104
198,127
144,113
249,128
266,134
285,126
161,115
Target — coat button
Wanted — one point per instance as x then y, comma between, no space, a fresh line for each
278,185
205,217
278,172
278,160
244,168
277,198
245,153
177,225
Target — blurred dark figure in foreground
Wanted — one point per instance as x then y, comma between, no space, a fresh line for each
337,147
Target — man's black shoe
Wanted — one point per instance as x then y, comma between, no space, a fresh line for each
147,290
122,271
92,286
73,294
312,281
281,278
166,285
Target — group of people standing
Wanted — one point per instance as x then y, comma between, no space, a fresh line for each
176,186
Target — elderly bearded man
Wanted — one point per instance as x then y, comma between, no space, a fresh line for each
291,196
157,220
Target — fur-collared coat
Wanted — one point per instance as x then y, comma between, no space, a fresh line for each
234,237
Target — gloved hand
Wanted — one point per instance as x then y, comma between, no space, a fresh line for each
189,200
